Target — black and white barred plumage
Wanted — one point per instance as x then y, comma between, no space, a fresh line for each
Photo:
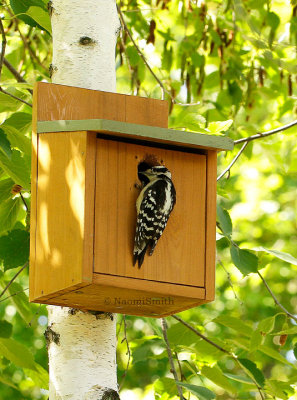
154,205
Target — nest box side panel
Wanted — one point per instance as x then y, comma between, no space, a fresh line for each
179,256
33,195
211,212
64,212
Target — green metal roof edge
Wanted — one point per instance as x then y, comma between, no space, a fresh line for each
142,131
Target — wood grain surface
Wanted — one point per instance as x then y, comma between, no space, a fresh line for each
180,253
55,102
61,225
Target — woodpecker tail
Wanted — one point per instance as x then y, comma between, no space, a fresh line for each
139,256
153,247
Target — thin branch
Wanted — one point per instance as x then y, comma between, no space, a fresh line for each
128,352
14,277
15,97
3,47
182,376
14,294
265,134
32,54
35,315
202,336
15,73
24,201
275,299
170,357
187,104
233,161
230,282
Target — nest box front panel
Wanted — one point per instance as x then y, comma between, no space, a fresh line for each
179,256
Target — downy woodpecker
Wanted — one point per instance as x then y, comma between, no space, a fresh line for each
154,205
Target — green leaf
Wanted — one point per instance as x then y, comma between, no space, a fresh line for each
256,340
201,392
289,331
207,352
273,354
17,353
218,127
20,8
215,375
239,378
244,260
153,323
14,248
267,324
17,168
279,254
9,211
21,121
8,103
17,139
273,20
133,56
193,121
234,323
4,144
166,385
41,17
39,376
7,381
252,368
295,350
5,190
5,329
178,334
279,389
21,301
224,220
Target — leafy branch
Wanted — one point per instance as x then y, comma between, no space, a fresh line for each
265,134
125,27
248,139
229,353
15,73
275,299
142,56
232,162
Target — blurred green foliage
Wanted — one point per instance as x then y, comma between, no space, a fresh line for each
234,62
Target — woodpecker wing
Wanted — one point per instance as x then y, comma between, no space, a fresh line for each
157,201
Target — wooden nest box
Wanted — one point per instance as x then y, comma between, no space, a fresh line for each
86,148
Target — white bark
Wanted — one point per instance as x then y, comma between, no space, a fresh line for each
84,38
82,356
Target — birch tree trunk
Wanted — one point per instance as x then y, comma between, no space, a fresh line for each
82,349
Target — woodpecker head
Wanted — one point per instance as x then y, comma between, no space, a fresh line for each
149,169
